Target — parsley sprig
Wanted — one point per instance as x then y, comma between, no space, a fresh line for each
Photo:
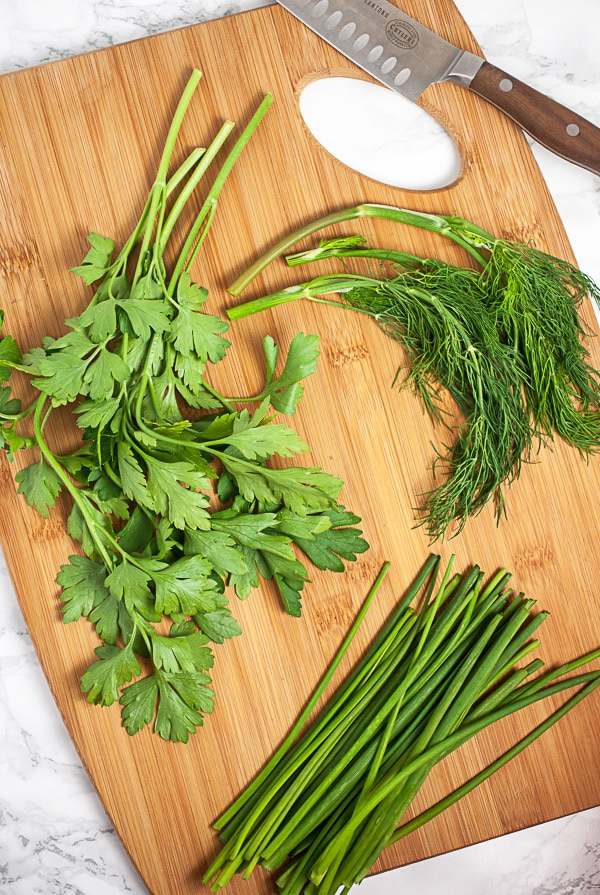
173,497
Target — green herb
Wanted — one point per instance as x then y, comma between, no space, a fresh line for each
172,493
505,340
335,793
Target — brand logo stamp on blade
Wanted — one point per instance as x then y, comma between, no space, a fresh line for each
402,34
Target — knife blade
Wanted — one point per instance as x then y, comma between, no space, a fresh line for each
407,57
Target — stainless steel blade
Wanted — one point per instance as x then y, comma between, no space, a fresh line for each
388,44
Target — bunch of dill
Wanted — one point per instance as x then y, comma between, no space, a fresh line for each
504,338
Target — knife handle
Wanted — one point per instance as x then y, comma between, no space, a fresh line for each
554,126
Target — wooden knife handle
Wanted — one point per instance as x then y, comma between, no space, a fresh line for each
554,126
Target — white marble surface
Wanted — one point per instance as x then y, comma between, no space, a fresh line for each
54,834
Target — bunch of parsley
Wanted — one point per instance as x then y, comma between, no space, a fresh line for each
172,494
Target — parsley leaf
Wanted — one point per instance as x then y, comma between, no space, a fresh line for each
84,586
40,485
340,541
290,590
182,698
128,579
146,316
172,489
255,441
115,667
175,718
10,354
108,620
100,320
139,703
101,376
61,376
182,653
284,391
299,489
196,333
98,259
218,548
184,586
219,625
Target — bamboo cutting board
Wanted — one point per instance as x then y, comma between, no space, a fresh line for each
80,140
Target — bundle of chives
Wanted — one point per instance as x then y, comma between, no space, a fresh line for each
332,798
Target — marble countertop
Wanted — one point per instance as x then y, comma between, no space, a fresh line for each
54,834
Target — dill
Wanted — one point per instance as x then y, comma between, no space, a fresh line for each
504,338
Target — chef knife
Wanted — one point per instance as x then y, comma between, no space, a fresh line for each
406,56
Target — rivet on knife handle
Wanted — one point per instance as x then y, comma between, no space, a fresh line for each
554,126
408,57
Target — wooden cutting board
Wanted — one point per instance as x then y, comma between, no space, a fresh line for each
80,140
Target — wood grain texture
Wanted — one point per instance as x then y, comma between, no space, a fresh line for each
80,140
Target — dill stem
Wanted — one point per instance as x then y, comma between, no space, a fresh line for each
313,291
441,224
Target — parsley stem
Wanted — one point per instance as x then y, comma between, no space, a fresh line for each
158,191
184,169
39,419
23,414
206,213
145,379
206,159
225,402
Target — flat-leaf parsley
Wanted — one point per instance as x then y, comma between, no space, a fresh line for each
172,494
